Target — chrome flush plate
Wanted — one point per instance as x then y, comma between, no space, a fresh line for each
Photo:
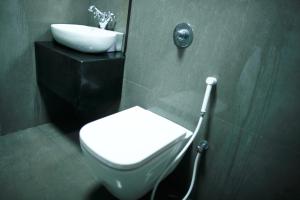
183,35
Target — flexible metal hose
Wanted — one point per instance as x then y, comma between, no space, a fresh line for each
210,81
177,157
193,176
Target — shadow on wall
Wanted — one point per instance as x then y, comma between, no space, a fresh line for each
180,53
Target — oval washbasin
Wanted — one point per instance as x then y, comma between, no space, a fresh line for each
86,38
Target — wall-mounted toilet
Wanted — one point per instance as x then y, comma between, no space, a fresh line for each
129,150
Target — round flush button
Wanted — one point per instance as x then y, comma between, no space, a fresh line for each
183,35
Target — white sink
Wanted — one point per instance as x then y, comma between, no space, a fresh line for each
86,38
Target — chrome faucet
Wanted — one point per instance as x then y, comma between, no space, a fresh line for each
105,20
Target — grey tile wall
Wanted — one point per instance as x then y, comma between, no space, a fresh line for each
22,23
252,47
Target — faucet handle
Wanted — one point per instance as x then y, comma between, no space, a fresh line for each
112,21
105,20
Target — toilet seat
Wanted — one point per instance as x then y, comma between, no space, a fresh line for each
128,139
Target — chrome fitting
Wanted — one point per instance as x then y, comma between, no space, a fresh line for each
202,114
202,146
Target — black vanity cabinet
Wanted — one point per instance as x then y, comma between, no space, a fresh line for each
91,83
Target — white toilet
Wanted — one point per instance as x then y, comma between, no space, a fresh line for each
129,150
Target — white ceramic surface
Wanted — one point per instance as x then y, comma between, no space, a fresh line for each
133,182
130,138
87,39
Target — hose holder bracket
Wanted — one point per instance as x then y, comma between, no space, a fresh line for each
202,146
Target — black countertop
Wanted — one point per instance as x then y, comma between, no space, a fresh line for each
79,56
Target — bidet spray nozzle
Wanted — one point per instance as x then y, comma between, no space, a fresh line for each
210,81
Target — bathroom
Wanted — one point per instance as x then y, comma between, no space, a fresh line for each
251,47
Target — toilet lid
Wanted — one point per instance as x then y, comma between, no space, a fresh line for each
130,138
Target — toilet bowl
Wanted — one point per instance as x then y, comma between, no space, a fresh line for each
129,150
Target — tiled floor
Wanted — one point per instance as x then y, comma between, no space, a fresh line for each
45,162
